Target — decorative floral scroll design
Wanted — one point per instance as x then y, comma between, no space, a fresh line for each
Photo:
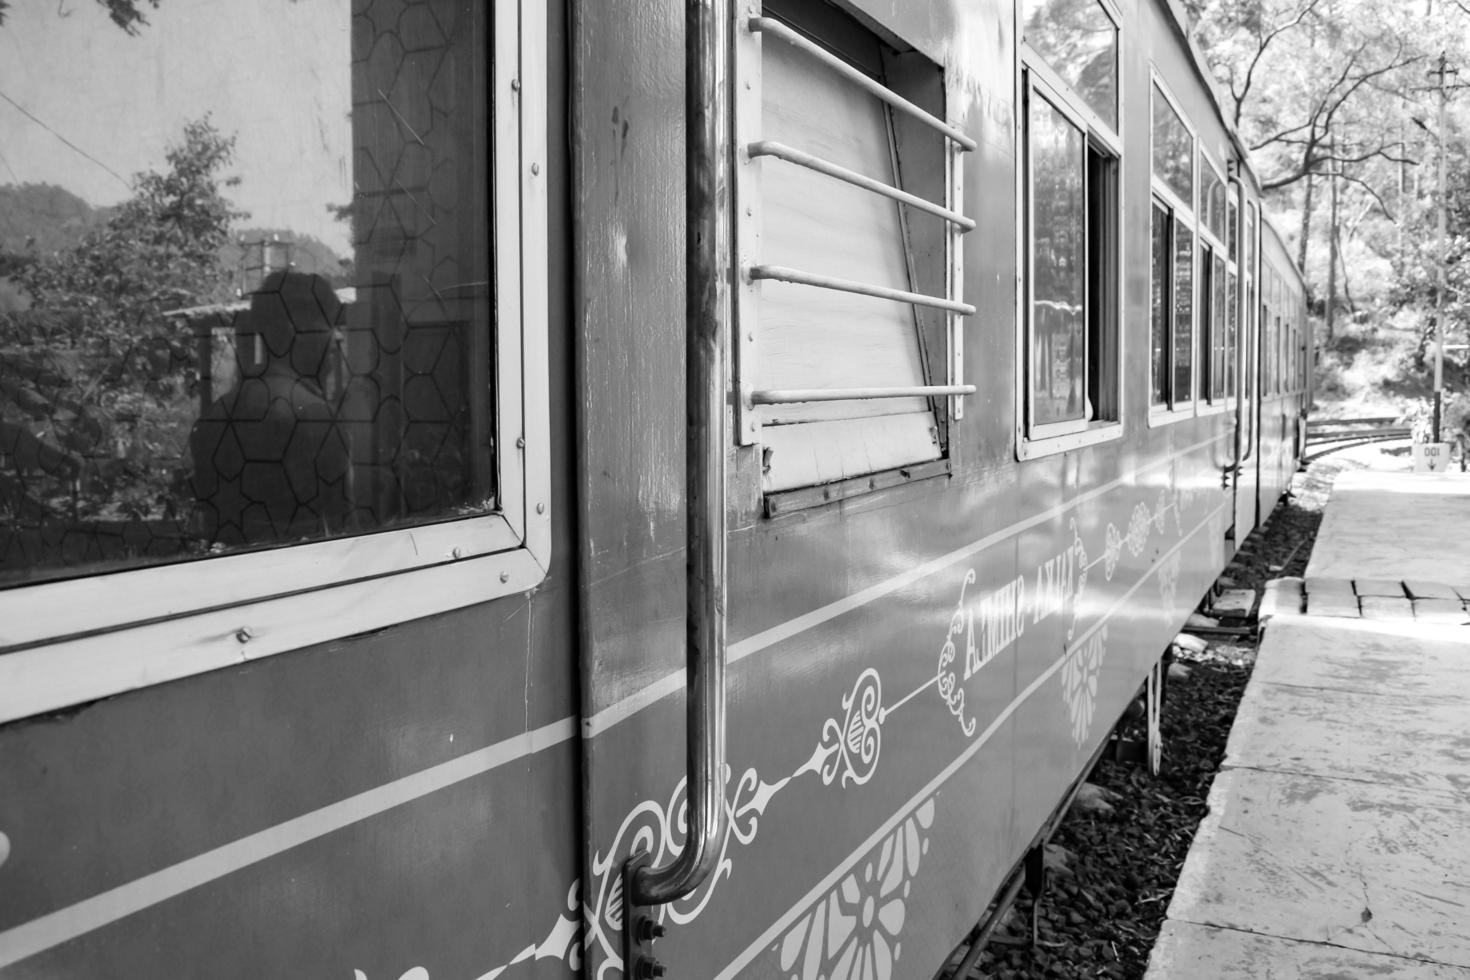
852,933
1112,551
853,745
561,943
661,830
1161,512
1080,552
1080,672
1169,584
946,679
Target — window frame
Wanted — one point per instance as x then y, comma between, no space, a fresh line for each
1207,243
1035,78
1183,212
747,225
59,646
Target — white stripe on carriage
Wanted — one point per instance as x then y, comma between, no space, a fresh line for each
620,711
774,931
68,923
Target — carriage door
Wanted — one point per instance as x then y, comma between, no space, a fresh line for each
1247,428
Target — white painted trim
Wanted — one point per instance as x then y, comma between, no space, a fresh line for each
38,935
90,637
1039,446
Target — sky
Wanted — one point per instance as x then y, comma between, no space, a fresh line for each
275,73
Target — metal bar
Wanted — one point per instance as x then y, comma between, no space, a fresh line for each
775,28
707,303
781,273
786,396
768,148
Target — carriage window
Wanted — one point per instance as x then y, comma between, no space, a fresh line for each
277,328
1217,291
253,297
1070,225
849,301
1173,265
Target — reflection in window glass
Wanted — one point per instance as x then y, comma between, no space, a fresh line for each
1232,335
1079,41
1231,233
1058,265
1219,329
275,330
1212,199
1183,313
1173,149
1159,305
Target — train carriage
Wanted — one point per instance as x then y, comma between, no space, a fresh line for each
771,443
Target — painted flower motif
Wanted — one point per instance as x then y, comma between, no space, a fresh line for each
1138,530
1079,683
853,932
1169,584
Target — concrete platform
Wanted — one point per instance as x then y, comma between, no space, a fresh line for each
1338,839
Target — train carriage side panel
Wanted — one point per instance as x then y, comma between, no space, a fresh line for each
920,667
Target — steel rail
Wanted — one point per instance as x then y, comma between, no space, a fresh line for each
706,305
781,273
780,151
775,28
787,396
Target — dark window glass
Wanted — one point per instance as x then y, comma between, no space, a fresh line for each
1078,39
1173,159
1219,329
278,328
1212,199
1231,232
1102,290
1058,266
1183,313
1161,254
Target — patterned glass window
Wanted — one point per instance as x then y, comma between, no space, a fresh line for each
249,299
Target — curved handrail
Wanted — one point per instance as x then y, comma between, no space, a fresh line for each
707,298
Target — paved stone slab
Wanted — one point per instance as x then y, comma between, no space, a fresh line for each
1319,586
1416,743
1384,607
1448,611
1333,604
1427,662
1393,526
1186,951
1373,868
1283,596
1379,586
1420,589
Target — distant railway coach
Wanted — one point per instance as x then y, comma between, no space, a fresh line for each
528,489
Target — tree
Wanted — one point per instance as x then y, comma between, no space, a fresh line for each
126,14
96,384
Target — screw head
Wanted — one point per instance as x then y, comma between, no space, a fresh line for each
540,508
505,576
243,634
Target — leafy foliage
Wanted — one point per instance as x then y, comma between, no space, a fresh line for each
127,14
96,390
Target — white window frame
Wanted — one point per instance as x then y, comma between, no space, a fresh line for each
71,641
1189,211
1205,403
748,222
1035,78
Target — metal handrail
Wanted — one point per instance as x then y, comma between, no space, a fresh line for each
775,28
781,273
706,305
769,148
787,396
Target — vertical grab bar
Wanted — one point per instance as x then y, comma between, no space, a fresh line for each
707,295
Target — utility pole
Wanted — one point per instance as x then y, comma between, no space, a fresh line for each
1441,70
